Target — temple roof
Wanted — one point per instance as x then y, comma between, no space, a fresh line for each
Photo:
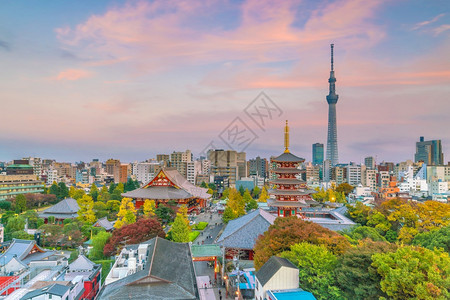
243,232
103,222
158,193
288,157
287,181
286,170
21,250
273,202
291,192
183,188
64,209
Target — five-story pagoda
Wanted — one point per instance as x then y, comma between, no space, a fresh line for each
288,194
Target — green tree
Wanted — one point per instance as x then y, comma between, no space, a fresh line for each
129,185
225,193
263,195
356,276
149,208
250,203
54,189
204,185
86,211
104,194
112,187
117,193
358,212
15,223
63,191
164,213
113,205
316,265
100,209
235,206
98,244
21,203
358,233
241,190
120,187
414,273
180,229
255,192
126,214
439,238
94,192
78,194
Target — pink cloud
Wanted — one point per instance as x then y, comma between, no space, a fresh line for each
73,74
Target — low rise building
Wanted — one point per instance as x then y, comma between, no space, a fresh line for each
13,185
65,209
156,269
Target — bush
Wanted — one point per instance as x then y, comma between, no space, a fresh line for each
200,225
5,205
193,235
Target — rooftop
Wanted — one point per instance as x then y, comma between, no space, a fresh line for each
167,273
271,267
243,232
295,294
288,157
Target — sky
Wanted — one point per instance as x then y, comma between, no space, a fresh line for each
131,79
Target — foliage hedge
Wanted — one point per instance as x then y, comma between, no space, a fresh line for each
193,235
200,225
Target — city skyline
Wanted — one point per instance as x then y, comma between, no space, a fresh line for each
94,81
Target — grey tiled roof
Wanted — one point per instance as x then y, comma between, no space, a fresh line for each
185,190
64,209
170,263
158,192
288,157
54,289
243,232
103,222
271,267
21,249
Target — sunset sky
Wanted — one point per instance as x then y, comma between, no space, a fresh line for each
130,79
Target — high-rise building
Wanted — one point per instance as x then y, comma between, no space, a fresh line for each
332,99
257,167
228,163
369,162
179,161
112,167
430,152
317,154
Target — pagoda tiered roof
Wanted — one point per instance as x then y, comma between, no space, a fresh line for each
286,170
290,192
286,181
288,157
276,203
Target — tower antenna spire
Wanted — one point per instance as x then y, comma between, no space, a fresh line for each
286,138
332,67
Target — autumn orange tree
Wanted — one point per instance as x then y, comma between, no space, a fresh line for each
288,231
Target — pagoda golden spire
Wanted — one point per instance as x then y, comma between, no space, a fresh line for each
286,138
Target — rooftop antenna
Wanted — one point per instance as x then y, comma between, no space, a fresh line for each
332,46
